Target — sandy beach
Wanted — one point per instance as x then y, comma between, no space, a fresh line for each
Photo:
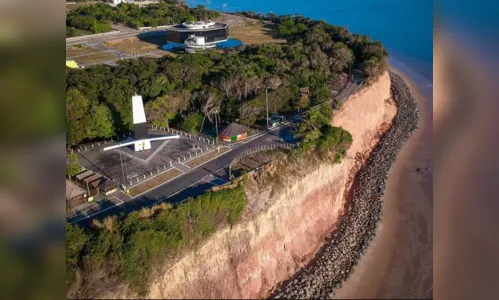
399,262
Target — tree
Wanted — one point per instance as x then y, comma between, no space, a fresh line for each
273,82
72,165
192,123
77,116
102,124
340,57
160,111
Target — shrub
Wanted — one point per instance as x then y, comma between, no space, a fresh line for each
141,238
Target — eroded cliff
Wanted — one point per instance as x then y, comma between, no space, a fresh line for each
283,230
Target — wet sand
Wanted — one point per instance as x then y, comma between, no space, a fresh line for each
399,262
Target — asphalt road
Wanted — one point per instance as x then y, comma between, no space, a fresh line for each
190,184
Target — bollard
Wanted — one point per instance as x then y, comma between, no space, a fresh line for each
185,158
206,148
201,149
137,179
85,147
196,152
178,159
150,172
199,138
92,145
171,163
98,144
144,176
218,148
78,150
190,155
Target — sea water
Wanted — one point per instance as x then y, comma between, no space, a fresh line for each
405,27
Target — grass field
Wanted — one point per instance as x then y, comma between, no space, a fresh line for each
206,157
153,182
258,33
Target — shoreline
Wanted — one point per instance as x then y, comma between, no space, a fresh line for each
399,263
335,260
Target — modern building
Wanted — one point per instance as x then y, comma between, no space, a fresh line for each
117,2
233,133
198,35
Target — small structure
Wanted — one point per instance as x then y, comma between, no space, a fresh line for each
82,175
75,195
72,64
275,120
233,133
88,183
305,92
108,187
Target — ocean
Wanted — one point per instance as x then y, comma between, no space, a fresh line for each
405,27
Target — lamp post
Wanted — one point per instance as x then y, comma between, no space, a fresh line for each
267,105
216,124
121,161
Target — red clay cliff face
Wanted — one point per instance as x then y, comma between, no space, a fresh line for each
249,259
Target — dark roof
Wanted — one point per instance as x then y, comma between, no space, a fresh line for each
97,182
233,130
107,185
84,174
91,178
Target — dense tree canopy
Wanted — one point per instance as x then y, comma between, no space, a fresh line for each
230,85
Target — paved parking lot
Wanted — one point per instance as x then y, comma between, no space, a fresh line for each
119,163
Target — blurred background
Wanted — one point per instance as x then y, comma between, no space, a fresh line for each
466,149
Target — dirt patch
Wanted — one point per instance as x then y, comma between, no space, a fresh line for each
154,182
196,162
133,45
96,58
80,50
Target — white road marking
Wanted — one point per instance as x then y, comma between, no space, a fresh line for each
210,182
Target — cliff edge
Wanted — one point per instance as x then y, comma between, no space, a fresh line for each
274,241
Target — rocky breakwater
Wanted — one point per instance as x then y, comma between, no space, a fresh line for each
334,262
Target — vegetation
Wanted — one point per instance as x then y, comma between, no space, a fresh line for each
231,85
72,166
328,142
97,18
127,247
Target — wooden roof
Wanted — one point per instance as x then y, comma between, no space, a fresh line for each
108,185
84,174
91,178
73,190
233,130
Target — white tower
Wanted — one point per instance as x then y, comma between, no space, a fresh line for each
141,139
141,134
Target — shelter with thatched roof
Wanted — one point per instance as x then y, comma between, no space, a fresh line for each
233,133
